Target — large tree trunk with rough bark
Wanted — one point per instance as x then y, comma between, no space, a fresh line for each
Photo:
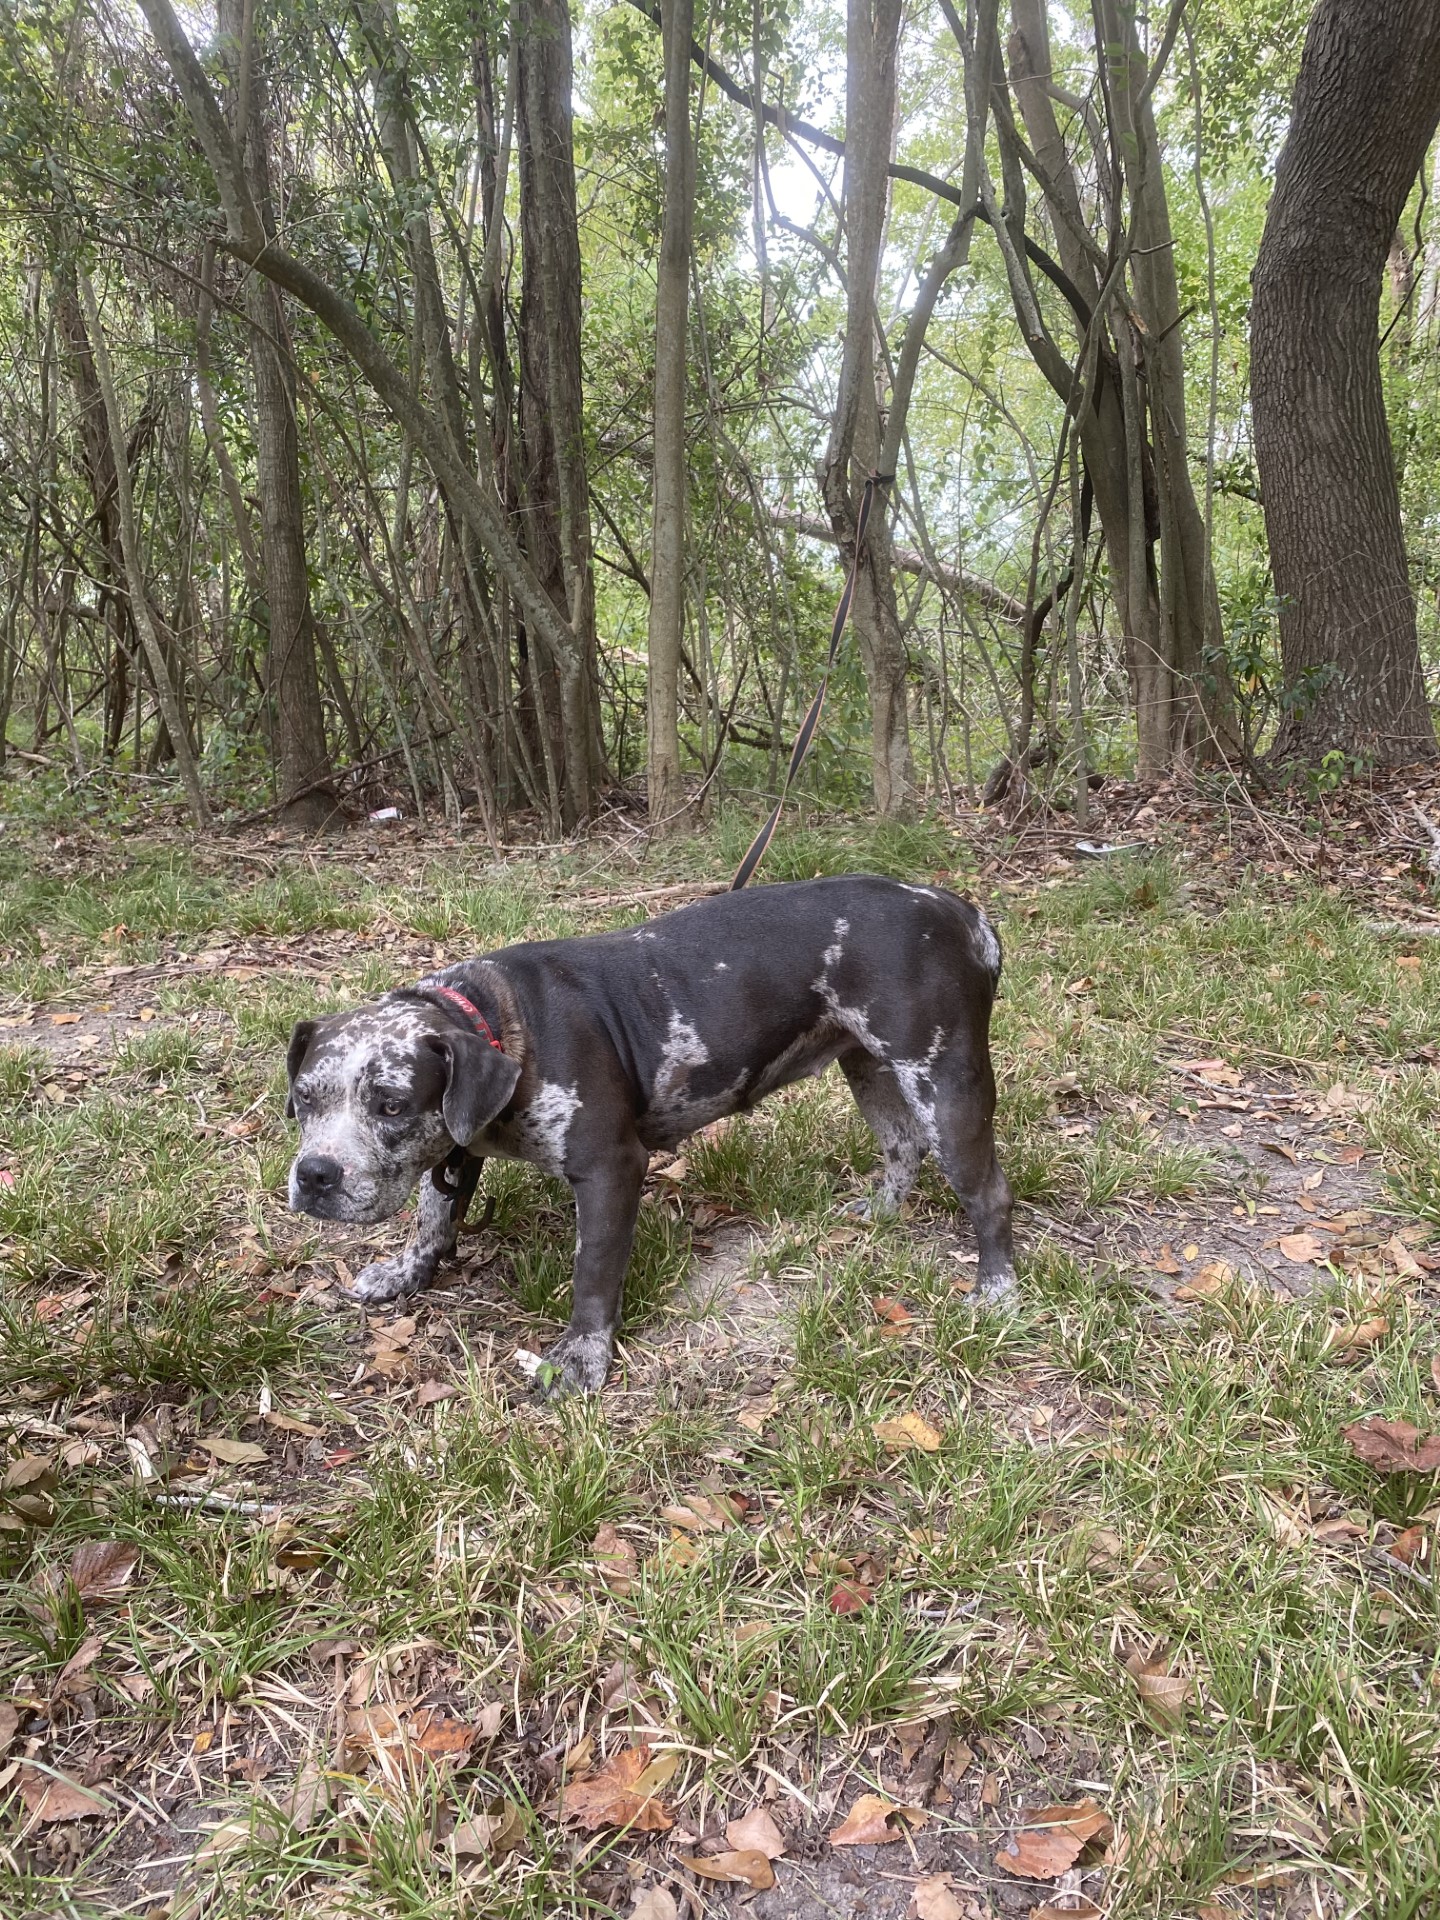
302,758
872,46
667,542
1366,106
555,493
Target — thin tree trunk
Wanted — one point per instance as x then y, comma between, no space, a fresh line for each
555,487
667,542
134,579
872,45
1366,107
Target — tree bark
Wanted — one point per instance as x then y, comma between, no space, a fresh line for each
872,46
667,539
1366,106
302,758
554,483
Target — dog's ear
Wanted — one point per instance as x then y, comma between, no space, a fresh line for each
300,1038
479,1081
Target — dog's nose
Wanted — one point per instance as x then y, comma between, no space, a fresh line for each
317,1174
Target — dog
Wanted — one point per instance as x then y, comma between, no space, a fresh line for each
585,1056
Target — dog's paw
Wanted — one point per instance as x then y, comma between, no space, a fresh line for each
577,1363
382,1280
995,1288
872,1206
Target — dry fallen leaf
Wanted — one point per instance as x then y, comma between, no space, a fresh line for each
1435,1371
656,1904
700,1514
1408,1546
234,1453
70,1678
490,1834
55,1796
911,1432
1215,1277
32,1470
933,1900
1406,1265
751,1868
756,1832
436,1734
1052,1840
1288,1527
873,1820
850,1596
1343,1342
100,1569
895,1315
622,1793
1303,1248
616,1559
1163,1694
1393,1446
307,1797
9,1726
1079,1907
1167,1263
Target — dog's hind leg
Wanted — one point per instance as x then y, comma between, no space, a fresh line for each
963,1116
897,1130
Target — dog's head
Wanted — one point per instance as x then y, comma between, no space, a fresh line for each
382,1095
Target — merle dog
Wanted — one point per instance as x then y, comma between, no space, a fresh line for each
584,1056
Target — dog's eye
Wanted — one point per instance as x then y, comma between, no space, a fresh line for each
391,1107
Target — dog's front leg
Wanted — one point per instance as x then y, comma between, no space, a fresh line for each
607,1201
439,1216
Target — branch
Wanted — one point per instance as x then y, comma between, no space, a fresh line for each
953,579
795,128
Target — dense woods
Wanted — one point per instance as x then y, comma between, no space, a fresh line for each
470,407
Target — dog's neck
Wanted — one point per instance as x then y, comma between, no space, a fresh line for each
476,995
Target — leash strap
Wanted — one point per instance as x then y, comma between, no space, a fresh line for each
457,1177
798,753
472,1013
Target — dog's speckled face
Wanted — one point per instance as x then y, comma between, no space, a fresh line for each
382,1095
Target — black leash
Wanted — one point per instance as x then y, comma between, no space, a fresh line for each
756,851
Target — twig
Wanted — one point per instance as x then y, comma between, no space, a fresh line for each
217,1503
1387,1563
1432,833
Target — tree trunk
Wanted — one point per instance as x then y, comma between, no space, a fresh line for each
302,759
114,604
1366,106
872,45
1133,435
165,696
667,542
554,485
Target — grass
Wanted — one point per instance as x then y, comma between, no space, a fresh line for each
1112,1477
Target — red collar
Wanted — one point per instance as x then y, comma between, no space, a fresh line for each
468,1008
